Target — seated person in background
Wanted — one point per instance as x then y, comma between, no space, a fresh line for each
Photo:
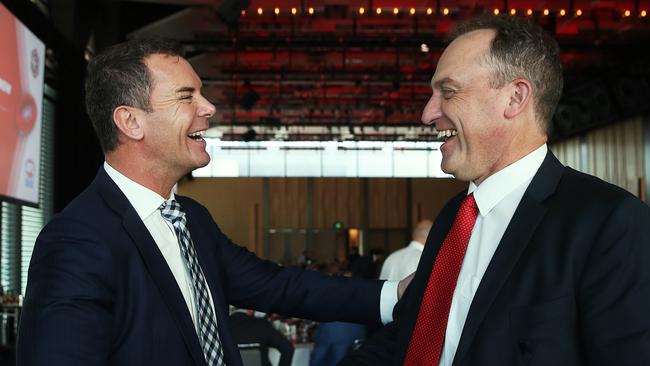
403,262
333,340
247,329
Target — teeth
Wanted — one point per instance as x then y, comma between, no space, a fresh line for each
447,133
198,134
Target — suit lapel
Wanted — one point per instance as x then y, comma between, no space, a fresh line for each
521,228
154,262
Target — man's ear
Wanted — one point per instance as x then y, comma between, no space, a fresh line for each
127,121
520,95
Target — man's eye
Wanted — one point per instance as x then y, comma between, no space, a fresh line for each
186,98
447,93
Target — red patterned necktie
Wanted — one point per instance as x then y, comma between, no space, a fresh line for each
425,347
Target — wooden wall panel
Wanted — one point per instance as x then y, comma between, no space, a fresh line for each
387,203
429,195
234,203
336,200
287,202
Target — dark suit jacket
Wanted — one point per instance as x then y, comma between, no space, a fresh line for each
100,292
248,329
569,283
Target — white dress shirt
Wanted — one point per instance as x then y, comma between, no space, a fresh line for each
146,203
402,262
497,198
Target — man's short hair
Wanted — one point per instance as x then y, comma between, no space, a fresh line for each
521,48
118,76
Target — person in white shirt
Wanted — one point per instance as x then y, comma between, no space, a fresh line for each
403,262
535,263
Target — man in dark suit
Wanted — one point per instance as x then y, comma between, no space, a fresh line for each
248,329
131,274
539,264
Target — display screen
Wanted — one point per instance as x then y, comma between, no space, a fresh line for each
21,99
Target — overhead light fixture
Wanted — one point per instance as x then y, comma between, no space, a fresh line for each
276,11
546,12
627,13
294,11
562,12
529,12
378,10
412,11
362,10
578,12
310,11
643,13
445,11
260,11
429,11
395,11
496,11
513,11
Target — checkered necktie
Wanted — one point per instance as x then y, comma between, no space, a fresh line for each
206,320
425,347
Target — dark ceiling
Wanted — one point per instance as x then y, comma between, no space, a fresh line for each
334,66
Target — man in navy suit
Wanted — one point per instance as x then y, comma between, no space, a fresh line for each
555,269
109,283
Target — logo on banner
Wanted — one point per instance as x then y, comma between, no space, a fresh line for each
35,63
30,170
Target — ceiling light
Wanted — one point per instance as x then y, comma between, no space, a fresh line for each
429,11
395,11
276,11
643,13
529,12
311,11
445,11
412,11
294,11
627,13
546,12
496,11
243,12
513,11
260,11
378,10
562,12
578,12
362,10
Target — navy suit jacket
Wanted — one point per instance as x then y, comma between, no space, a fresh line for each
100,292
569,283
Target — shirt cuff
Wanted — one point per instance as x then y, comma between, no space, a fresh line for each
387,301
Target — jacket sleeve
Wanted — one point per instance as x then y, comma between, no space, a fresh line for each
66,317
614,293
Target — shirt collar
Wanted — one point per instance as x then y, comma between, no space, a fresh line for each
143,200
416,245
499,185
